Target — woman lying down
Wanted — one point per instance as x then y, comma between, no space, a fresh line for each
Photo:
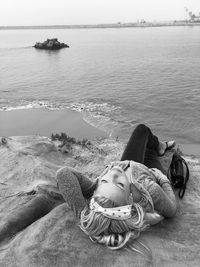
123,201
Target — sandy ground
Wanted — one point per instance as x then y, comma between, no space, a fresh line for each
55,239
44,122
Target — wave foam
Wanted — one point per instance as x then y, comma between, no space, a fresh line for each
32,105
99,115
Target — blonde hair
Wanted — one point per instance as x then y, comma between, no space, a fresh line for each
112,232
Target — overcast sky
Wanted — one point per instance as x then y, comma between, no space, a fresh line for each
57,12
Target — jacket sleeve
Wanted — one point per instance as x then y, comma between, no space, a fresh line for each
75,188
163,195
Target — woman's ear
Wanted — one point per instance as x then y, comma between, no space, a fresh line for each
136,195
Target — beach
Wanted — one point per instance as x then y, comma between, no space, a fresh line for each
44,122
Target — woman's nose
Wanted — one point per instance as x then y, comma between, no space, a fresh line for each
113,177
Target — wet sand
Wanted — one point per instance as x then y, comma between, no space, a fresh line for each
45,122
190,149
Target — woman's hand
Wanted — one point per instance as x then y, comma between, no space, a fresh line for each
160,177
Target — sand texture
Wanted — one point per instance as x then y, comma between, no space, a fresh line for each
30,163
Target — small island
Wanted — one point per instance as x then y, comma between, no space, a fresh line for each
50,44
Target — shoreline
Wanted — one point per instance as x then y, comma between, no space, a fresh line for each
104,26
44,122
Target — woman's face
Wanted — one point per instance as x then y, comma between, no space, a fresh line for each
115,186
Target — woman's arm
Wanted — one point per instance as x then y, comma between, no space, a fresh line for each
74,187
163,195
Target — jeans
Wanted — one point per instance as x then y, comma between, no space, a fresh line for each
142,147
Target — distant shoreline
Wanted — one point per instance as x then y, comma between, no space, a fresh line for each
102,26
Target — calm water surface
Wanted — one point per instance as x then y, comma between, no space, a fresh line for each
116,78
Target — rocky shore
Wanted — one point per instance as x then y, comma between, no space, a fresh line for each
28,166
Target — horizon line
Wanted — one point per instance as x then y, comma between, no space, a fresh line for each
105,25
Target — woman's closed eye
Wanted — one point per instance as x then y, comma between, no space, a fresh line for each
103,181
120,184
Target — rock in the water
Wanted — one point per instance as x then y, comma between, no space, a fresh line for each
50,44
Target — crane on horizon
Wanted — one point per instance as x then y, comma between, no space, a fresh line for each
192,16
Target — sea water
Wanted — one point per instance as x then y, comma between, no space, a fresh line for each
116,78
